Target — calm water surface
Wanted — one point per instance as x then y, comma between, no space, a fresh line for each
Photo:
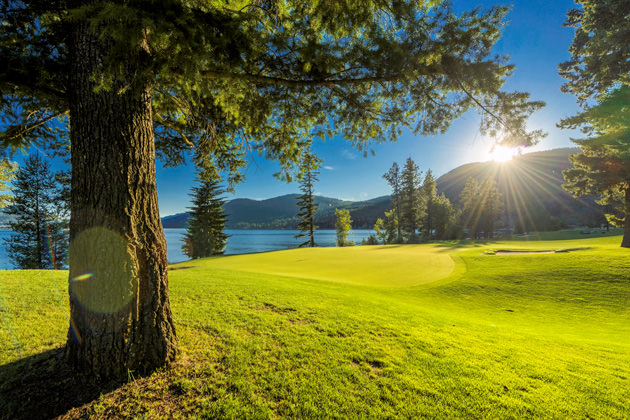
249,241
239,242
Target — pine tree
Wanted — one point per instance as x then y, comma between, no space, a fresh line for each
600,58
443,215
126,81
410,200
471,211
343,224
482,206
392,176
205,234
603,168
492,207
306,201
39,241
428,197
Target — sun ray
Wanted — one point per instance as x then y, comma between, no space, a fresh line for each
502,154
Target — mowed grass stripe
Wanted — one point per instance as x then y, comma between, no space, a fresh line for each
383,266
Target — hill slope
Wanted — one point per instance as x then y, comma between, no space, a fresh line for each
532,187
280,213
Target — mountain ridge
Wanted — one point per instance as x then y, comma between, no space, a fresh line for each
531,184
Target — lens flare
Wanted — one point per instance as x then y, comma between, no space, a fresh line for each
50,246
104,277
75,331
82,277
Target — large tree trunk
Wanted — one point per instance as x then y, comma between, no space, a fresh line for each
119,302
625,242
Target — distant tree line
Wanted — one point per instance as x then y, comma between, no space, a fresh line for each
419,214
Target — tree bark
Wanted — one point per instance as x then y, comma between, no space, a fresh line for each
625,242
120,316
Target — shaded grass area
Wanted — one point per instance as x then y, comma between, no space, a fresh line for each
523,336
43,386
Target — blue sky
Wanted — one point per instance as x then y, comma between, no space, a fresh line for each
536,41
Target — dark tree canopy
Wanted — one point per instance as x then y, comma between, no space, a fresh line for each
603,168
231,77
600,57
599,68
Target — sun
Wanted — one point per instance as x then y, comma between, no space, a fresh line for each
502,154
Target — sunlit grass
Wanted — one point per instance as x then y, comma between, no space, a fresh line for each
518,336
370,266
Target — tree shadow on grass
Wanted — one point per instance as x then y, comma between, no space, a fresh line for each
43,386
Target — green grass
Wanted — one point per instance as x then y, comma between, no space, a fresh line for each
424,331
367,266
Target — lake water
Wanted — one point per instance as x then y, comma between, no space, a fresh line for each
249,241
239,242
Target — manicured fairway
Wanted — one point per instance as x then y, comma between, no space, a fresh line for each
442,330
392,265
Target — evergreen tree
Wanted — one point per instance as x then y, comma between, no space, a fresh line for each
410,200
127,80
205,234
492,207
392,176
603,168
40,239
443,217
61,217
306,201
600,57
599,68
343,224
470,211
482,206
386,229
428,197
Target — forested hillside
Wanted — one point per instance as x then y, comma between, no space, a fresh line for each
280,213
530,184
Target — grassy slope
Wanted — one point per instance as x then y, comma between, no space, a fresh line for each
500,337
